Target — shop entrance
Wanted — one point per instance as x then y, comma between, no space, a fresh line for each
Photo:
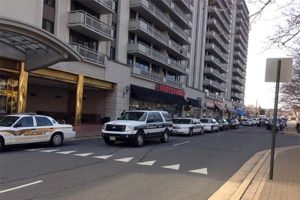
8,93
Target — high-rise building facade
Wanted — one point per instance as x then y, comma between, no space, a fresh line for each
187,57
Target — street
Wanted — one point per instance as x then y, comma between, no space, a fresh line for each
184,168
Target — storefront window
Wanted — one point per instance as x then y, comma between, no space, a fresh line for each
8,95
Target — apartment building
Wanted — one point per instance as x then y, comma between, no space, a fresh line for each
85,61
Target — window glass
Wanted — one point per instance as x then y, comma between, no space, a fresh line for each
136,116
158,117
48,25
43,121
8,120
167,117
151,118
25,122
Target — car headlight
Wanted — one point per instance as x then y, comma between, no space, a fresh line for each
129,128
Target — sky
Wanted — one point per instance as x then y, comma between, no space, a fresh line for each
257,91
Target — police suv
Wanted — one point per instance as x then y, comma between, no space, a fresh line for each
138,126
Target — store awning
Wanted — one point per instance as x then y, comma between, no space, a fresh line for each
32,45
193,102
220,106
210,104
146,94
230,109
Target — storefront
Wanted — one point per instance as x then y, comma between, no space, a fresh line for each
210,108
193,107
230,112
8,93
162,98
220,111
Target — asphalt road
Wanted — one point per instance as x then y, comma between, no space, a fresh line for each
184,168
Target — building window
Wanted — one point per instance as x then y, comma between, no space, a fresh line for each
50,3
130,60
112,53
48,25
83,40
114,25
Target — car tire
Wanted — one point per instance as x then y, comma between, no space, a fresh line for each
109,142
139,140
1,144
165,137
191,132
57,139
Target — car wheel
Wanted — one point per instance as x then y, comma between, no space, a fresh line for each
165,137
56,139
109,142
139,139
1,144
191,132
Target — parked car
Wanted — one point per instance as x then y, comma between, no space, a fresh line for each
234,124
223,124
248,122
187,126
210,124
279,124
32,128
138,126
262,121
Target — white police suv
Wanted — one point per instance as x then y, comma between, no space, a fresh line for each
31,128
138,126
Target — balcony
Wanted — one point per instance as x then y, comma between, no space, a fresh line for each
209,71
99,6
86,24
238,72
242,6
145,74
214,84
213,24
151,55
240,39
185,5
237,96
239,47
239,64
151,13
213,61
89,54
217,51
175,13
217,14
239,56
239,30
238,80
151,34
213,36
238,88
219,97
225,11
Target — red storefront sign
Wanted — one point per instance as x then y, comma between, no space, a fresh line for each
170,90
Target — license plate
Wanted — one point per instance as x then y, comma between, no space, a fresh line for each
113,138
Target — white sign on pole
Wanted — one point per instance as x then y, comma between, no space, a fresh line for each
286,71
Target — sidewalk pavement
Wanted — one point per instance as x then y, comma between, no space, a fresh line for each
290,128
88,130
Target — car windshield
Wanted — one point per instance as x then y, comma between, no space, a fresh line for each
135,116
8,121
182,121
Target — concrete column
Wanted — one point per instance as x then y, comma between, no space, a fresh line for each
79,95
22,89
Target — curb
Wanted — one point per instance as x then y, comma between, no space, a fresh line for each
84,138
235,188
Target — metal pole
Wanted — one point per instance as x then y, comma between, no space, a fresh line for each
275,120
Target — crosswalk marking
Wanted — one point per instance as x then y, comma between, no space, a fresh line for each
33,149
124,159
199,171
83,154
104,157
49,150
175,167
65,152
147,163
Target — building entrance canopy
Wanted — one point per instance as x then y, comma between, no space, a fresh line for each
32,45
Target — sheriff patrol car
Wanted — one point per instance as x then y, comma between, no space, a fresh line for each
137,126
31,128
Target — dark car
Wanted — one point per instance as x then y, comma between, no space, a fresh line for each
279,125
234,124
224,125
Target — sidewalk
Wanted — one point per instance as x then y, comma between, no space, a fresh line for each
252,182
88,130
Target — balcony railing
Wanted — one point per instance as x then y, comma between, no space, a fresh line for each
215,84
100,6
186,5
154,77
84,22
215,73
215,96
212,35
239,72
240,64
237,79
212,47
215,62
238,87
237,95
89,54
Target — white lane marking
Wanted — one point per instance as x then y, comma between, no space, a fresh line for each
33,149
200,171
181,143
21,186
175,167
104,157
124,159
49,150
83,154
65,152
147,163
